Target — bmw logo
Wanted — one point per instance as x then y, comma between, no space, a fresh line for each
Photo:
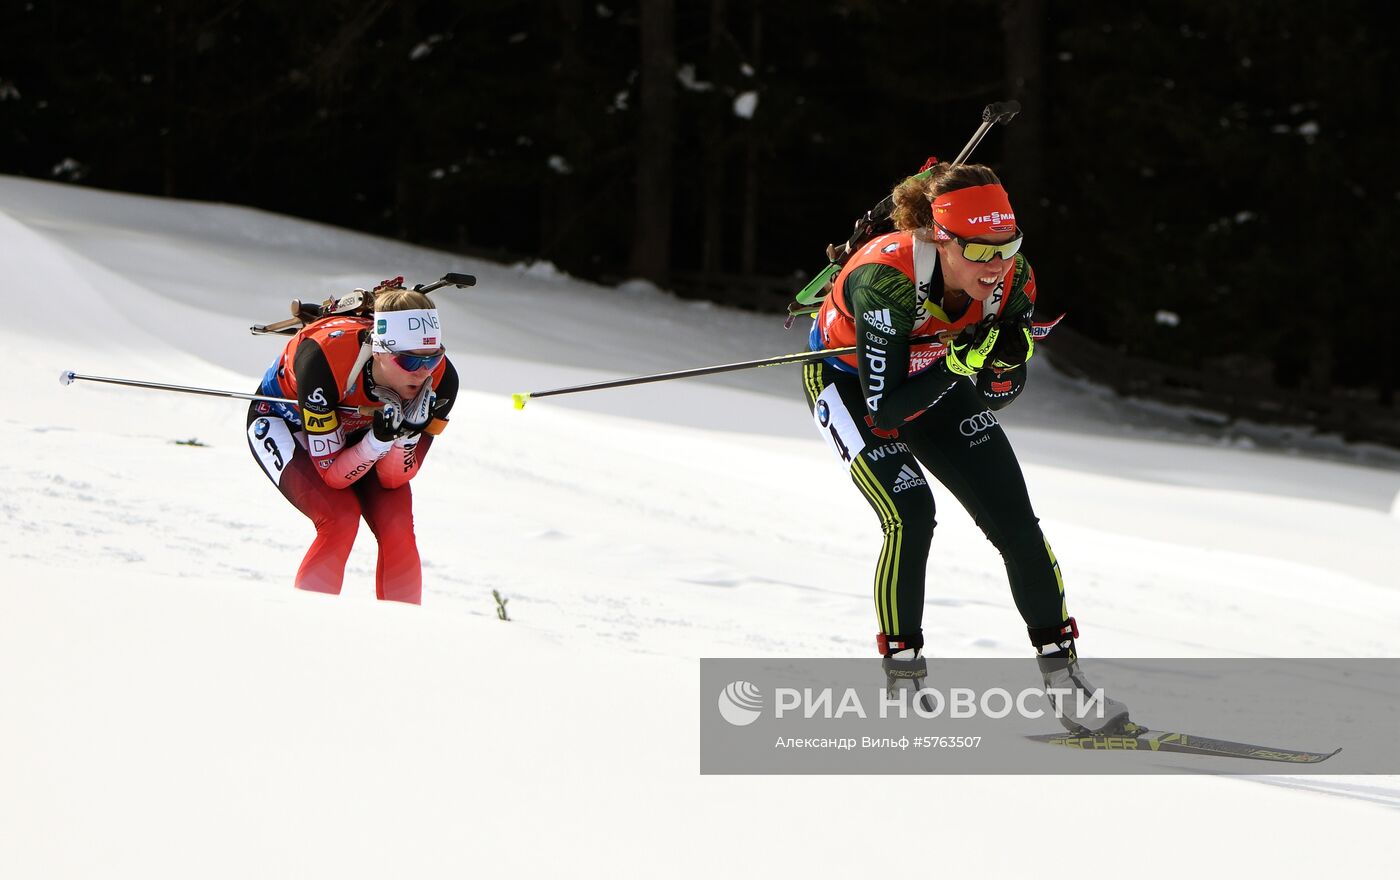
261,427
823,413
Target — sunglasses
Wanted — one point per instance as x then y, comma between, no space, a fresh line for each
981,252
412,363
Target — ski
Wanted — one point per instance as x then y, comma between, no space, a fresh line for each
1165,741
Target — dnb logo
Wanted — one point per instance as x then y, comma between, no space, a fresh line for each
261,427
823,413
740,703
381,327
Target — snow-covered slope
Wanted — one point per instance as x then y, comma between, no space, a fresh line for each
173,708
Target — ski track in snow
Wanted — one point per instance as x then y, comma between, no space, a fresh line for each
632,531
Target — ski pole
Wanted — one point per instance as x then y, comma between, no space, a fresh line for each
1002,111
68,377
812,293
992,114
1039,331
809,298
456,279
795,358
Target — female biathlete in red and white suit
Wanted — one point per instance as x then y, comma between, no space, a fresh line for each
895,410
337,463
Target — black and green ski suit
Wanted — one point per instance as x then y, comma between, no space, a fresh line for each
935,423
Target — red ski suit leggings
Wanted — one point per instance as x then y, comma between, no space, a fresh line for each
336,513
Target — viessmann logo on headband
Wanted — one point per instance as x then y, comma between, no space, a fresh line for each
999,221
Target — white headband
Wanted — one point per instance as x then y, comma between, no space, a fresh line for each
406,330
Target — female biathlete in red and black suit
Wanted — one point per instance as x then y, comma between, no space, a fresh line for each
895,410
335,462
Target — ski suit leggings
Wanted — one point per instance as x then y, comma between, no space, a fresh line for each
336,514
959,442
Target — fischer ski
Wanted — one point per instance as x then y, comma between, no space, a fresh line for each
1164,741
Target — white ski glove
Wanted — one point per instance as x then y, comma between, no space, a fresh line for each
418,412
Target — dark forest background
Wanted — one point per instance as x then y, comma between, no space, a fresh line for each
1208,186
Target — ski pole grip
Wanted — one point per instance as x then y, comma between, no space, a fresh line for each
1001,111
455,279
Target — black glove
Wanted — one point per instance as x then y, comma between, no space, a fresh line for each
1015,344
388,423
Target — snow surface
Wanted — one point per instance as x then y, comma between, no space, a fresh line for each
173,708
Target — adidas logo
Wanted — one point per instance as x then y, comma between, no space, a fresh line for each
908,478
879,319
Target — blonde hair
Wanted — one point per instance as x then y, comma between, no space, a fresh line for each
399,299
913,198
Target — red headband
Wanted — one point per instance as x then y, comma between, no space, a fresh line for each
973,211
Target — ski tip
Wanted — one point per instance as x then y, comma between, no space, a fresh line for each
520,400
66,377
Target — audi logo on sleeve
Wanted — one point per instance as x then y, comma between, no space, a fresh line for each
974,425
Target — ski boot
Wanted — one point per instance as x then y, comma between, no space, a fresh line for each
903,663
1069,690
